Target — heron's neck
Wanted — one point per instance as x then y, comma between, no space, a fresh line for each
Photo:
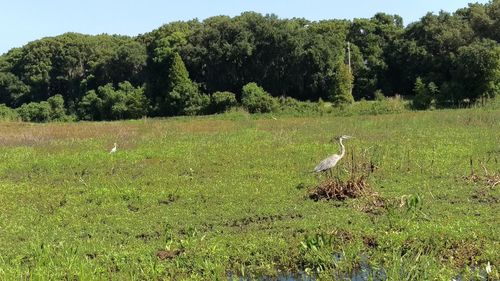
342,148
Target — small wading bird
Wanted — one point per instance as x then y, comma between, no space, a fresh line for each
330,162
113,150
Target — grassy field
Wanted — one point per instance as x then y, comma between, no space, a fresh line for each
223,197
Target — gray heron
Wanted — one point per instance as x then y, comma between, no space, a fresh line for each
330,162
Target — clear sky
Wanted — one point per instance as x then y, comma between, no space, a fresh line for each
23,21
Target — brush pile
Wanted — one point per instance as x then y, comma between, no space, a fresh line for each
490,179
335,189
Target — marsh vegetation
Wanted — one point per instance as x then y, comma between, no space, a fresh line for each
229,195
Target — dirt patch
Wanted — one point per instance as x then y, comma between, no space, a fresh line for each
168,255
132,208
370,241
148,236
484,196
345,236
373,204
169,200
335,189
261,220
91,256
490,179
462,254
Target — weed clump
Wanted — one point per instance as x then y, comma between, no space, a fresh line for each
336,189
491,179
168,255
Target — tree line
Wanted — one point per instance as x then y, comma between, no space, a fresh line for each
256,61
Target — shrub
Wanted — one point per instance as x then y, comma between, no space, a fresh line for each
90,107
35,112
424,94
183,96
57,110
379,95
363,107
133,101
125,102
185,99
51,110
196,104
255,99
7,113
341,91
222,102
291,105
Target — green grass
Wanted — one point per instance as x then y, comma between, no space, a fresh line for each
230,193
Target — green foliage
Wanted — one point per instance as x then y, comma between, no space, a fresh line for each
7,113
51,110
256,100
91,107
424,94
373,42
222,101
293,106
178,74
72,64
188,186
341,92
184,97
295,58
379,95
57,109
35,112
12,90
477,69
364,107
108,103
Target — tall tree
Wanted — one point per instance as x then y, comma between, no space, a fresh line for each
342,86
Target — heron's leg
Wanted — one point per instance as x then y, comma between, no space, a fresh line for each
337,175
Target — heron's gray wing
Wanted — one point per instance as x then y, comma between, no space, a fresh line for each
327,163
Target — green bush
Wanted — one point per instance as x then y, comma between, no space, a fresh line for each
7,113
291,105
256,100
108,103
35,112
57,109
363,107
186,99
90,107
222,102
342,87
379,95
50,110
424,94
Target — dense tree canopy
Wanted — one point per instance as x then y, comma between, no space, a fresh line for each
195,67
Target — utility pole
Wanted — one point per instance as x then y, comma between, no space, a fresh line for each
349,55
349,61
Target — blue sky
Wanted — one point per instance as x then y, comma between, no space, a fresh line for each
27,20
